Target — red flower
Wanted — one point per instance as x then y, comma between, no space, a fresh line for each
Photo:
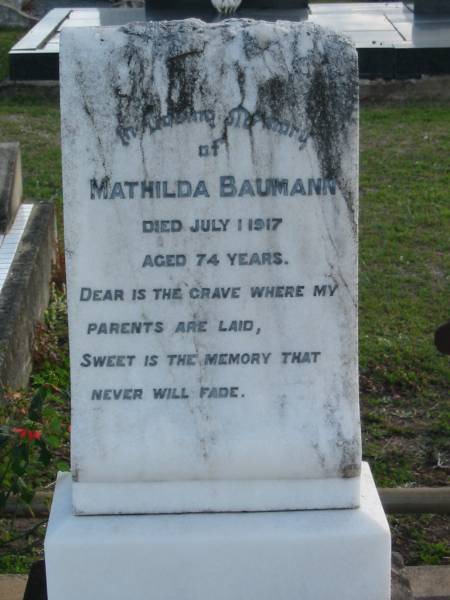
25,433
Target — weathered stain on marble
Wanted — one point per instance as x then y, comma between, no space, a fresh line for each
322,70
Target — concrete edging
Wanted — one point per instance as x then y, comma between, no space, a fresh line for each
398,91
25,296
12,587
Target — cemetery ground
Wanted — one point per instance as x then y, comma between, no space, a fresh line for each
404,296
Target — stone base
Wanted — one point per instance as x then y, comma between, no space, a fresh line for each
162,497
307,555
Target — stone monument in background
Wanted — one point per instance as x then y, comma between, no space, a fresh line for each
211,203
432,7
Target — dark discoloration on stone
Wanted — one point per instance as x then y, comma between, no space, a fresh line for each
350,451
350,465
137,99
276,97
240,73
317,92
75,473
351,470
183,72
331,108
24,297
88,109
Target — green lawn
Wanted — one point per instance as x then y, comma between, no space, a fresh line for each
404,292
35,124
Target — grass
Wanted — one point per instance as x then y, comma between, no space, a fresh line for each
404,292
404,296
24,546
34,122
422,539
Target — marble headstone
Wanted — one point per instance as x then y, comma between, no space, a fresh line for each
210,191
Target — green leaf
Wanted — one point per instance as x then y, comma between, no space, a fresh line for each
44,454
35,411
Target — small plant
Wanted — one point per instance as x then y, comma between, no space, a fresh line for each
51,335
33,429
34,436
433,553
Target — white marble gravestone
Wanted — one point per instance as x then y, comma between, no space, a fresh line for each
210,192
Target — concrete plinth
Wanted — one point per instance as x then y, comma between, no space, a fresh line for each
307,555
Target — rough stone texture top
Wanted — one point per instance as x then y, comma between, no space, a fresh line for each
205,4
238,142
